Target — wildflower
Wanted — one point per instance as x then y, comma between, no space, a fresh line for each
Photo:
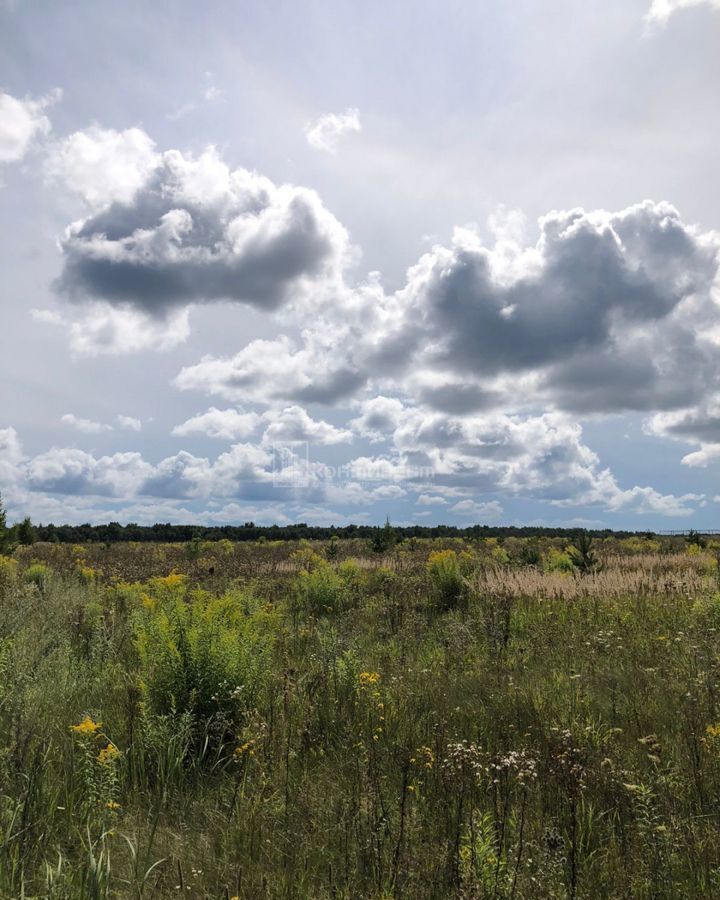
112,806
427,757
87,728
713,731
173,579
108,755
368,678
465,759
243,749
519,764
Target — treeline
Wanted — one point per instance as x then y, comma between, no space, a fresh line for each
114,532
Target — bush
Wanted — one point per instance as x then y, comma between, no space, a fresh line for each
39,575
559,561
321,590
446,579
203,659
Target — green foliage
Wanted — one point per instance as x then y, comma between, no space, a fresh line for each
582,554
539,737
39,575
694,539
26,534
321,590
384,539
7,535
446,580
8,571
559,561
204,659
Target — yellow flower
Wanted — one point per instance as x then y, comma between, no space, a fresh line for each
242,749
713,731
108,755
173,579
87,727
367,678
428,757
112,806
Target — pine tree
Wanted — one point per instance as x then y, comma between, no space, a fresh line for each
6,534
384,538
26,533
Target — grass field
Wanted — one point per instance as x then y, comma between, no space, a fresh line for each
448,719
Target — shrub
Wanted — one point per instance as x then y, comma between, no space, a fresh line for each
321,590
446,578
39,575
559,561
203,659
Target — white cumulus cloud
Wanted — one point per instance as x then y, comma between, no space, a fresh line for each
21,122
326,132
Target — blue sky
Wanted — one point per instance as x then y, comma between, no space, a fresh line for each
329,262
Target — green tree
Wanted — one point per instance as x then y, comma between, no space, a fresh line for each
582,553
6,534
384,538
26,533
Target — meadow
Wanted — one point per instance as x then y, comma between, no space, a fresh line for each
448,718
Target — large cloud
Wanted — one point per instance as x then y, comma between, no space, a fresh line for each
71,471
457,459
194,231
541,456
606,312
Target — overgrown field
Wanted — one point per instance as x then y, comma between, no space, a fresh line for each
446,719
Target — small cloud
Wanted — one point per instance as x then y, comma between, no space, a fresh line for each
223,424
661,10
102,165
471,509
129,422
181,111
46,316
431,500
86,426
212,91
21,121
326,132
210,94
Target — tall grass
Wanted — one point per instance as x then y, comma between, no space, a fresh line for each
446,721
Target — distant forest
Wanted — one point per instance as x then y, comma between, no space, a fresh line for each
114,532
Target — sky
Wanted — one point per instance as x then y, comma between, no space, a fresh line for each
325,262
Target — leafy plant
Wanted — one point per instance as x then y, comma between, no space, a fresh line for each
205,658
446,580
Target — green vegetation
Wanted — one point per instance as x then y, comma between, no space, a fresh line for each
514,718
